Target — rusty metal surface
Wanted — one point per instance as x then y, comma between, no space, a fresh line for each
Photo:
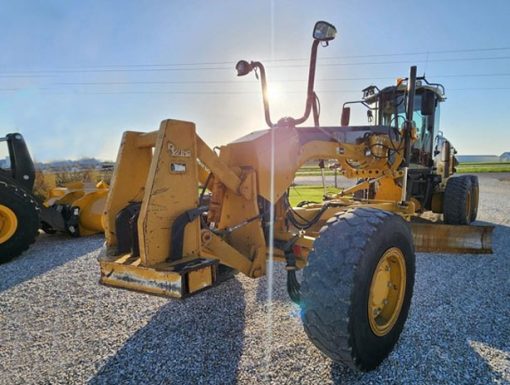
432,237
138,278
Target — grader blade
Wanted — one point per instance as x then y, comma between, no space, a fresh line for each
431,237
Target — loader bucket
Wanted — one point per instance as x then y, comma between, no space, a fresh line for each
91,206
439,238
88,198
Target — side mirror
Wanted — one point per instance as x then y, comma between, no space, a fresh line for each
346,116
324,31
428,103
243,68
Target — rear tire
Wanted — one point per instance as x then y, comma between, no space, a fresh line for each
342,278
19,221
457,202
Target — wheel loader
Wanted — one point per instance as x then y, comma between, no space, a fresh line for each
180,216
75,209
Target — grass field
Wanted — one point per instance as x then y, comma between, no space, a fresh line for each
314,193
310,170
483,167
307,193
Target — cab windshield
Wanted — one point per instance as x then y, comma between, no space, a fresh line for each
392,113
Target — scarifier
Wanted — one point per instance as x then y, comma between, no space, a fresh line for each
356,248
75,209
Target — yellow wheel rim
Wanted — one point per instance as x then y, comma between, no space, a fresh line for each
387,291
468,206
8,223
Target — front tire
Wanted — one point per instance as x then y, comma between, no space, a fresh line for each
357,286
19,221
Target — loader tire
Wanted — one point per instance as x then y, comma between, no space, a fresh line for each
457,202
19,221
349,309
475,197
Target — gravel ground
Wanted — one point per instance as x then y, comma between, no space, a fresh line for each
59,326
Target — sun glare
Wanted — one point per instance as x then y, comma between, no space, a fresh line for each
274,93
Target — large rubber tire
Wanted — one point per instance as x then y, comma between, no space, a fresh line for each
19,204
475,197
337,284
458,201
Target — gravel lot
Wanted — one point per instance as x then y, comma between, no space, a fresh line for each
59,326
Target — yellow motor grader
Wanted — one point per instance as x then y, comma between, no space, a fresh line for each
75,209
166,235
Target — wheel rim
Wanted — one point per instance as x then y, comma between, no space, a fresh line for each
8,223
468,207
387,291
475,199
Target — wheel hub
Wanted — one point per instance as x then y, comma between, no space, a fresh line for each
8,223
387,291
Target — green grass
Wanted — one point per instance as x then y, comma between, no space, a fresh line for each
475,167
483,167
307,193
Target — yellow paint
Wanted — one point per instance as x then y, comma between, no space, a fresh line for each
200,279
140,278
387,291
88,197
388,189
128,180
168,194
8,223
163,169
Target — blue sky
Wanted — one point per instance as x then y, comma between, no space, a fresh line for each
75,74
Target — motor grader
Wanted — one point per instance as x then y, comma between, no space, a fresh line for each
166,235
75,209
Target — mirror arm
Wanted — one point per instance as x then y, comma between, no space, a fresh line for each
315,110
311,80
265,98
411,88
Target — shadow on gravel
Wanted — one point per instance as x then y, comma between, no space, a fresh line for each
197,340
279,290
48,253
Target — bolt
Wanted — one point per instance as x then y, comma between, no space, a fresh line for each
385,302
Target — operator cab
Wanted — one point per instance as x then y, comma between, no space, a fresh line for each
387,108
